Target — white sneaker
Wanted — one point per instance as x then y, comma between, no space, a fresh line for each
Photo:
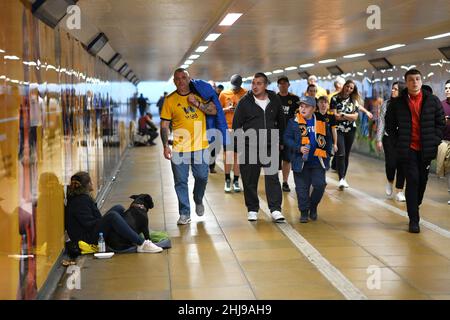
448,202
388,189
227,187
252,216
236,187
341,184
184,219
345,183
149,247
277,216
400,197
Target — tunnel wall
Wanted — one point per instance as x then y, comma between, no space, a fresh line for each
62,110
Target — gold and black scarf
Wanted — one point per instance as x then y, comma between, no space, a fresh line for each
320,128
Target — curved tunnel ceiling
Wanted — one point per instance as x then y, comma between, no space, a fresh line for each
157,36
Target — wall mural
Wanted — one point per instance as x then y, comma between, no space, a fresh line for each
61,111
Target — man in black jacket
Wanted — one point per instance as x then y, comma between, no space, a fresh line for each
259,115
415,121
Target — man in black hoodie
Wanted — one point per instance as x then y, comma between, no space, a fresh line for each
415,123
260,118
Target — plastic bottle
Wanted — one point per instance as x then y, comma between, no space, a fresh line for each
101,243
306,155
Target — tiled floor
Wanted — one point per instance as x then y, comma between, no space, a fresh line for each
223,256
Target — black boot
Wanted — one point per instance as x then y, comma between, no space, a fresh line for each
414,227
304,216
313,214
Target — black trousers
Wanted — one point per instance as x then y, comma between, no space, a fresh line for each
250,176
416,173
391,165
344,142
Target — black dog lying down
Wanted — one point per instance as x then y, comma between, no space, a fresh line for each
137,219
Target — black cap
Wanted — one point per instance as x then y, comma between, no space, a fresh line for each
236,81
282,78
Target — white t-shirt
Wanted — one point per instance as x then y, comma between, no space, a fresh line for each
262,103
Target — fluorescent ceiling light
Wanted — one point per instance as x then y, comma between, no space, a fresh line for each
212,36
11,58
306,65
290,68
194,56
395,46
230,19
327,60
184,66
355,55
201,49
278,71
268,73
189,62
443,35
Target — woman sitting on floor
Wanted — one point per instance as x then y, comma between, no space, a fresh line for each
84,221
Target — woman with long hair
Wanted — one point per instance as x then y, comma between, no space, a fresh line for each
385,143
84,221
345,105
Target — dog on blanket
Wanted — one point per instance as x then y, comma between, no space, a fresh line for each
137,218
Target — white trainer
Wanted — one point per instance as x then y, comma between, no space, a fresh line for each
277,216
400,197
149,247
252,216
227,187
388,189
448,202
341,184
345,183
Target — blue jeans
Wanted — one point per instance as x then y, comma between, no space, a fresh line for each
312,176
113,221
199,161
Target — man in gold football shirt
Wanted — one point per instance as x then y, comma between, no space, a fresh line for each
187,113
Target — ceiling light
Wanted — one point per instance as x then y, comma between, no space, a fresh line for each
268,73
201,49
194,56
327,60
230,19
290,68
2,51
395,46
443,35
184,66
355,55
212,36
278,71
11,58
306,65
189,62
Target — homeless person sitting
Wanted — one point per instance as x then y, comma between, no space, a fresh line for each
84,221
147,127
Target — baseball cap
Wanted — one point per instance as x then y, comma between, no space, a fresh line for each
283,78
311,101
236,81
